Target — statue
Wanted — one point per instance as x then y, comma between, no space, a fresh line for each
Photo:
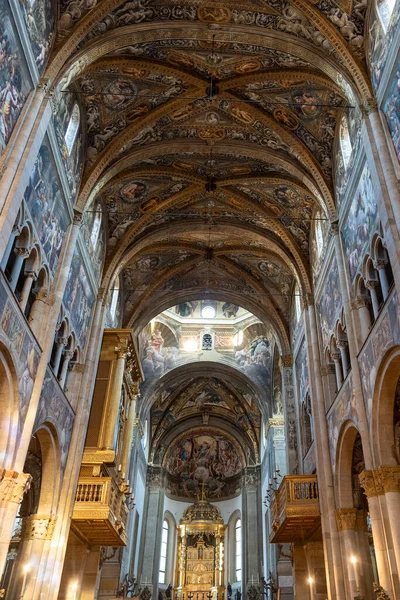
229,591
126,588
168,592
145,594
380,592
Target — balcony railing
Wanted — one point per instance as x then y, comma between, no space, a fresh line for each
295,510
100,511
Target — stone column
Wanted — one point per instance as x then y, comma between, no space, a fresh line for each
342,345
67,355
315,562
22,254
346,520
371,285
336,357
61,343
36,535
290,414
364,317
152,530
390,477
30,277
380,267
251,527
112,410
332,552
38,309
13,486
127,437
387,569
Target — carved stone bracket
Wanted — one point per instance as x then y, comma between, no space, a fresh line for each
346,518
37,527
13,485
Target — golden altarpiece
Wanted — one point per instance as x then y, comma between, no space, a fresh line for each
200,563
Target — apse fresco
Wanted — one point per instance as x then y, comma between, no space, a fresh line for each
23,348
201,457
45,203
380,43
54,408
391,107
360,223
78,297
330,302
15,82
39,21
63,105
302,373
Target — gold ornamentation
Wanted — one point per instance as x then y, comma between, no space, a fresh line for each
211,133
13,485
284,116
214,14
346,519
287,360
249,66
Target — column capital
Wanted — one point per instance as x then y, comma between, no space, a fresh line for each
368,106
371,284
390,478
120,352
346,519
342,344
24,252
334,228
380,264
287,360
13,485
38,527
371,482
336,356
78,217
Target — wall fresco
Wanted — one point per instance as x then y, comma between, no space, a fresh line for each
46,205
330,302
360,223
380,43
39,21
383,337
78,298
92,220
15,82
302,373
54,408
391,107
23,348
63,104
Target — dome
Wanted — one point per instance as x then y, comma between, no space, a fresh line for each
202,510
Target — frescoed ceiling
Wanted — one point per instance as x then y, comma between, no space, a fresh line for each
210,143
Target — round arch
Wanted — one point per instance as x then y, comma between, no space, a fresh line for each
343,471
9,400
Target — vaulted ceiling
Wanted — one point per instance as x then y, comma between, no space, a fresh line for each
211,141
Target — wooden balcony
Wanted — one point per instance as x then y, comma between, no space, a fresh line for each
100,512
295,510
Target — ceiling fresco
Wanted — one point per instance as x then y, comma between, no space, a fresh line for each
208,145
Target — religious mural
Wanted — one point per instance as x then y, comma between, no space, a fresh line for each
391,107
22,346
156,358
302,373
203,457
360,223
65,108
94,237
39,18
78,297
54,408
15,82
383,337
255,360
45,202
330,302
380,42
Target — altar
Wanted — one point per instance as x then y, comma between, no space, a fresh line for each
200,560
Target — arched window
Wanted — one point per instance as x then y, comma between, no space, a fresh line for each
94,235
319,236
345,141
297,301
163,553
238,550
114,298
385,11
72,129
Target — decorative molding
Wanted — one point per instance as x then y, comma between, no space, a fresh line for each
287,360
13,485
37,527
371,482
346,519
390,478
